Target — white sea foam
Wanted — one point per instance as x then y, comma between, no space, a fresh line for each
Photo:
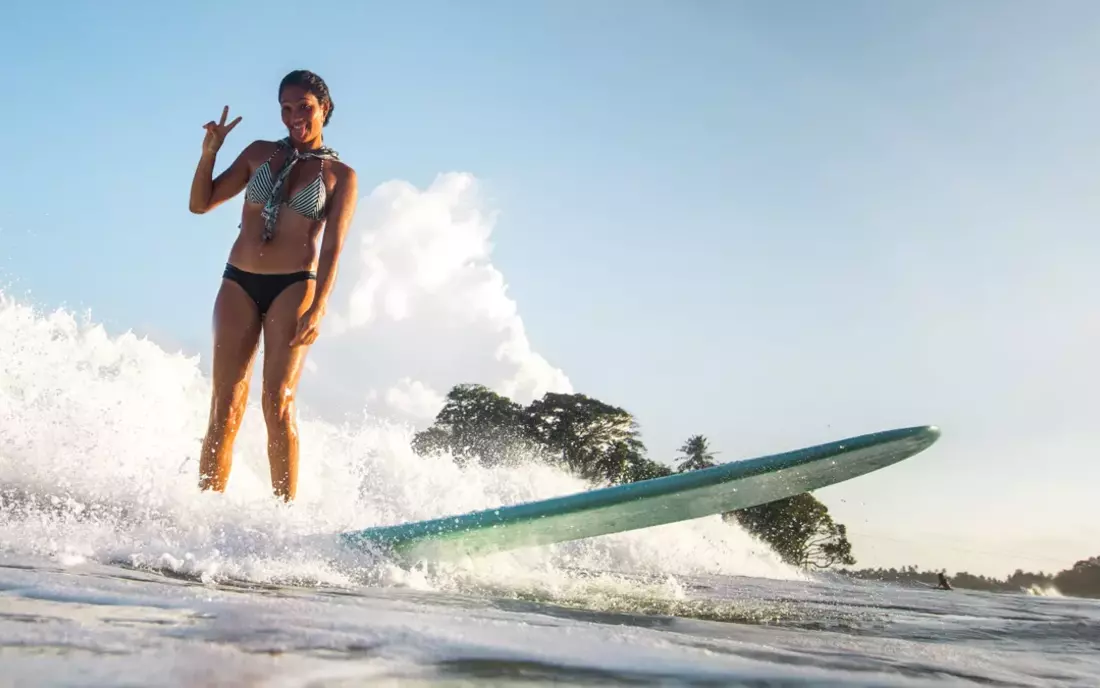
98,436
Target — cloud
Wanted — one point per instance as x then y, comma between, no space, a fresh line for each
414,398
419,307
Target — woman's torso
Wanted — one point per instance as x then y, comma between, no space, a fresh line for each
305,200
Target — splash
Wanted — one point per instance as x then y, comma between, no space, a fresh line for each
1037,590
98,439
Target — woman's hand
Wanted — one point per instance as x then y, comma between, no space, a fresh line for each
216,132
308,326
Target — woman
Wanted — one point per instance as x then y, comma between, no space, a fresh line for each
278,277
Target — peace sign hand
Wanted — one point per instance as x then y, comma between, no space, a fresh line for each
216,132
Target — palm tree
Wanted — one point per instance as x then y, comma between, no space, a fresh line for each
696,454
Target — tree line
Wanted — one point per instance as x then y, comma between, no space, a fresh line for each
1080,580
602,444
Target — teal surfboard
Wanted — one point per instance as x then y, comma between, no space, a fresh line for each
678,497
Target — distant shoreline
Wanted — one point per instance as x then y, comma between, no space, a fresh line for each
1080,580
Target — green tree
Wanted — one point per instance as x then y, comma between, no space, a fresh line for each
642,468
589,437
1081,580
593,439
800,530
695,454
476,423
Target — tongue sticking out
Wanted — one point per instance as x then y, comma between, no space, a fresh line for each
299,131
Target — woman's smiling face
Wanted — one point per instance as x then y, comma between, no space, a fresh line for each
303,115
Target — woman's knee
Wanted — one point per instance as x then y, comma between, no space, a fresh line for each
278,405
228,405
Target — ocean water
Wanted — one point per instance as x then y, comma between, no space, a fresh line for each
114,570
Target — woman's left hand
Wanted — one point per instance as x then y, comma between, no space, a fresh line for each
308,326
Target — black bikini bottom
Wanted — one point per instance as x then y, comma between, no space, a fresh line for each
263,288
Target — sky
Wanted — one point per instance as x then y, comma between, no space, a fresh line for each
774,224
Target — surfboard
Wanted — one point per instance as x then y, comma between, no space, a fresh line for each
643,504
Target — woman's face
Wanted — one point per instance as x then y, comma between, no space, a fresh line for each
302,114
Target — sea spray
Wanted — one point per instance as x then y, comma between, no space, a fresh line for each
98,439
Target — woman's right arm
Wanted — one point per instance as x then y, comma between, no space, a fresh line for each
207,193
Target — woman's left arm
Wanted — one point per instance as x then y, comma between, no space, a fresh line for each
332,243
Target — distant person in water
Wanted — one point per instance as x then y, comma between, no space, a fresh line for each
280,272
944,584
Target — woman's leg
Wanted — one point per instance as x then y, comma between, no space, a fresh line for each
282,370
236,334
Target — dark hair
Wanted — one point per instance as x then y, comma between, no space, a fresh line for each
312,83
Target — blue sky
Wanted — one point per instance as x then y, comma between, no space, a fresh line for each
771,223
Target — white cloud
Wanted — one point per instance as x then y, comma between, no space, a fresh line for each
419,306
414,398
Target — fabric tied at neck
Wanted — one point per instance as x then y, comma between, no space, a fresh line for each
270,211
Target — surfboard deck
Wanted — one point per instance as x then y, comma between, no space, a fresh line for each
647,503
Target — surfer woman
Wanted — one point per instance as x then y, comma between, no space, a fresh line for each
278,279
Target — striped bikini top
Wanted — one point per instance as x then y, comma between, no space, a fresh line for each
310,201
